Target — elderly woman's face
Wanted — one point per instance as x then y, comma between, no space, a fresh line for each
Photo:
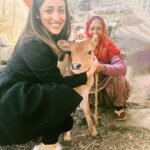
53,15
96,27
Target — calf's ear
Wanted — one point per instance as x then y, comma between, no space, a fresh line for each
64,45
95,39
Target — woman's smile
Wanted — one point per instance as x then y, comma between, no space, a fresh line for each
53,15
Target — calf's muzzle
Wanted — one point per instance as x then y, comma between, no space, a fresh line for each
75,66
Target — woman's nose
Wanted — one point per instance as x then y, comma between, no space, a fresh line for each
55,15
95,31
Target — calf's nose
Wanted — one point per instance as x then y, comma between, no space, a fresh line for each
75,66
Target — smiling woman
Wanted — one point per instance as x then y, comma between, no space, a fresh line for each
53,15
31,84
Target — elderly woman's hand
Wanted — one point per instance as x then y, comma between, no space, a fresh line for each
93,67
100,68
79,36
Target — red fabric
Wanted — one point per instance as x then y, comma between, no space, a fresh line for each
105,49
28,2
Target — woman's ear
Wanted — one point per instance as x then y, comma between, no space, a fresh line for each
64,45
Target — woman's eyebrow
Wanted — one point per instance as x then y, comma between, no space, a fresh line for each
49,7
53,6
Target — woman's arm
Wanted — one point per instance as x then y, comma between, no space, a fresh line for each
117,66
42,62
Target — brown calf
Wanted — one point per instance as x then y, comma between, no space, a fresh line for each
81,54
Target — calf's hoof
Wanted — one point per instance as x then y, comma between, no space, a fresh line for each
93,132
56,146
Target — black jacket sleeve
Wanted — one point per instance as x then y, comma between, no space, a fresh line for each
42,61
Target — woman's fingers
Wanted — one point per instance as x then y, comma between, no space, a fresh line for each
95,59
79,36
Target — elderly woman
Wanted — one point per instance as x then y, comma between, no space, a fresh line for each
112,68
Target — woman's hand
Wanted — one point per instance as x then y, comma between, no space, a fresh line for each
79,36
93,67
100,68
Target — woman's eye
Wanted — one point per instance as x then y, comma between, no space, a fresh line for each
61,11
49,11
89,52
91,29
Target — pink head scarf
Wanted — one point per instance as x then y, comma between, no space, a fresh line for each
105,49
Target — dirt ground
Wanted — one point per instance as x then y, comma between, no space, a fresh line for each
132,134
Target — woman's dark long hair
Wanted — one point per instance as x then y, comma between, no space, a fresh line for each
35,28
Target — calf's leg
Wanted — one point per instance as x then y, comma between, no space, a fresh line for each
86,109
